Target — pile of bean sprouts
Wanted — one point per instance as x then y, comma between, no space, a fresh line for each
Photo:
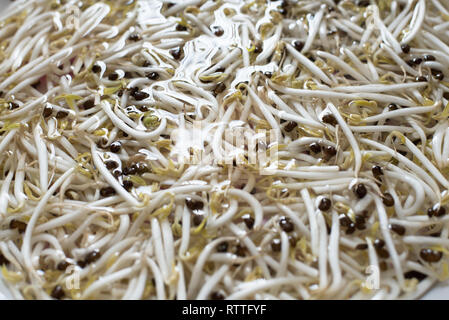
101,101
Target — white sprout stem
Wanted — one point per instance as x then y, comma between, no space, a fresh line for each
43,159
196,274
417,20
135,133
7,139
312,221
383,220
308,64
26,246
259,285
333,253
4,197
121,157
212,282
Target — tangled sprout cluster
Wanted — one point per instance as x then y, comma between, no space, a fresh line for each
102,101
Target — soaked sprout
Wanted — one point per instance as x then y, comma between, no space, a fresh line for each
117,167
